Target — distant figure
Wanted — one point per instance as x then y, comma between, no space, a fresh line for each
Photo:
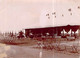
21,34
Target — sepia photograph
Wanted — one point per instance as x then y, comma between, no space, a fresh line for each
40,29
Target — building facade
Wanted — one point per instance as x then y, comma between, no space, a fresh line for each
63,31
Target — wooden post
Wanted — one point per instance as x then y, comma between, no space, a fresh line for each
79,31
71,32
63,32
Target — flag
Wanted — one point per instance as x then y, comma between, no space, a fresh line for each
69,9
47,14
78,7
53,13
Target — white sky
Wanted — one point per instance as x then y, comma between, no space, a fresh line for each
20,14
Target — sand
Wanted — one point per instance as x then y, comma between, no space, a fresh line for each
15,51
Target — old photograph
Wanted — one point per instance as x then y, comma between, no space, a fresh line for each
40,29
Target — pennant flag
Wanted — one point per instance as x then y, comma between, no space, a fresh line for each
62,15
47,14
53,13
70,13
48,17
55,16
69,9
78,7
